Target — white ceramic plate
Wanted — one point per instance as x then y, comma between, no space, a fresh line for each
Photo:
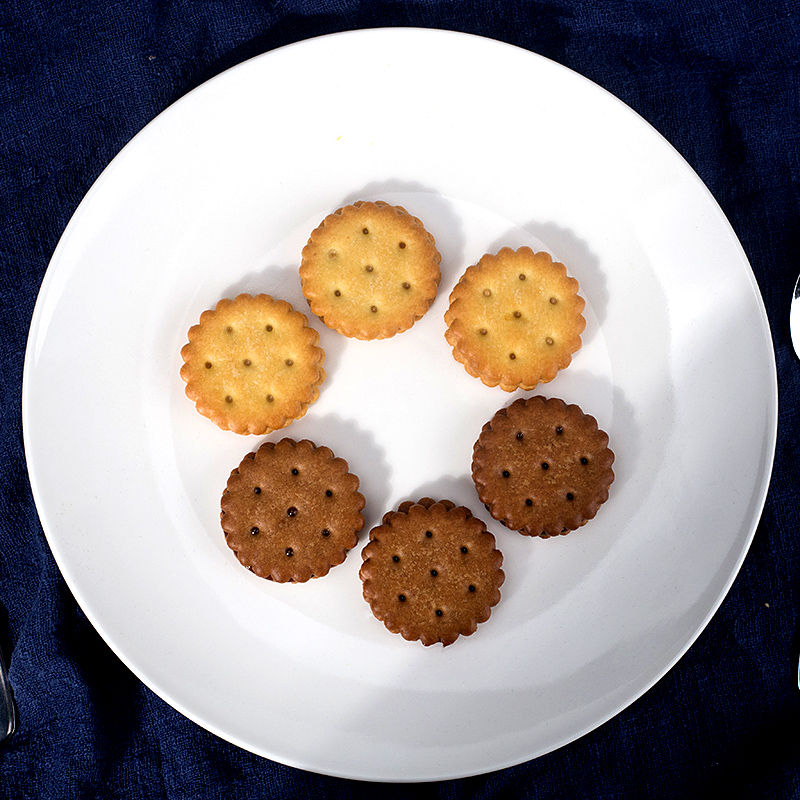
489,145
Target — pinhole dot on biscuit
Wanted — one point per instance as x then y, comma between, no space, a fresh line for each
257,490
229,329
289,362
326,532
289,552
464,549
520,436
584,460
406,285
487,292
328,493
254,531
506,473
428,534
549,340
228,399
295,471
337,293
291,511
529,502
269,328
396,559
270,398
471,587
483,331
553,300
247,362
559,431
439,612
373,309
369,268
365,231
402,245
331,254
545,465
512,356
517,314
434,573
570,496
208,365
401,598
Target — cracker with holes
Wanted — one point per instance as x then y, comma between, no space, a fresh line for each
542,467
515,319
431,571
252,365
370,270
291,511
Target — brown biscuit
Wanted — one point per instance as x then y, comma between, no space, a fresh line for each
291,511
515,319
542,467
370,270
431,571
252,365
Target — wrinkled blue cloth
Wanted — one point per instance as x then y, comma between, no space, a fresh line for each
720,79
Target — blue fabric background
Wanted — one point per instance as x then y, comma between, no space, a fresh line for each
720,79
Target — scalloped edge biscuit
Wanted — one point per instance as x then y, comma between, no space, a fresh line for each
431,571
252,365
370,270
291,511
542,467
515,319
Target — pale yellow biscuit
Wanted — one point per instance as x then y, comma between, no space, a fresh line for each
515,319
252,365
370,270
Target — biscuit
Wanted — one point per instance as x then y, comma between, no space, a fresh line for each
431,571
370,270
515,319
252,365
291,511
542,467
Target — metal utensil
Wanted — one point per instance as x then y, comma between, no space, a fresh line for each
8,713
794,330
794,318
